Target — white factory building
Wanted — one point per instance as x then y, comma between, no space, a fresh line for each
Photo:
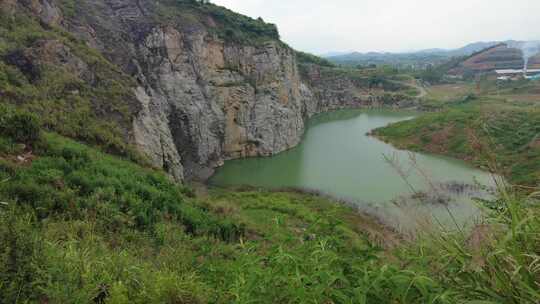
513,73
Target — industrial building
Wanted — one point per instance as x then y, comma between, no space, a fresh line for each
512,74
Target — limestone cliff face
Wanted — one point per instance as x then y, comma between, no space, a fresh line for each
217,101
203,99
211,101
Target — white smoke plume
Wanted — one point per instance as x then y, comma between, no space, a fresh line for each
529,49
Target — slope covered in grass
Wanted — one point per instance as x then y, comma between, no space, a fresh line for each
482,132
74,89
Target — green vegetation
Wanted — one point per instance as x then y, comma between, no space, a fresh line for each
74,89
80,226
225,23
68,7
306,58
383,78
402,61
496,263
437,74
449,93
441,96
481,132
384,82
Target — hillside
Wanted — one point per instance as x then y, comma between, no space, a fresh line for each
497,57
499,137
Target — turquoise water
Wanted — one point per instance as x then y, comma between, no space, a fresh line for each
338,158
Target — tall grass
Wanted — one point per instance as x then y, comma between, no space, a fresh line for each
497,263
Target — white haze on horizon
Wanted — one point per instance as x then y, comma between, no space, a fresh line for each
393,25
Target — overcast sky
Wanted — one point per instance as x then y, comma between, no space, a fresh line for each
319,26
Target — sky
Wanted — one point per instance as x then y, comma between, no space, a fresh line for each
320,27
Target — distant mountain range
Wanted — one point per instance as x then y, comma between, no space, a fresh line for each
333,54
423,58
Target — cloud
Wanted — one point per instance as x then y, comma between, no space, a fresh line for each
393,25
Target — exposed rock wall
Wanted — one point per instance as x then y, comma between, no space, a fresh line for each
220,101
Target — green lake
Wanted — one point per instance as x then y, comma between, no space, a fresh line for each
338,158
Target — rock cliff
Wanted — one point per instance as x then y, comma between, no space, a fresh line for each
203,98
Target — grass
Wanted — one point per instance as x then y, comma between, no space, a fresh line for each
83,226
522,92
497,263
447,93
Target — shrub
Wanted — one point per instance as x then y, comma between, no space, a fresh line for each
23,127
18,126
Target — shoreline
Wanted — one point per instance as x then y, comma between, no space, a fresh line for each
376,224
205,172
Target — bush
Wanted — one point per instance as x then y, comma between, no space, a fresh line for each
23,127
18,126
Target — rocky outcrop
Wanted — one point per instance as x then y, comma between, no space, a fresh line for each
49,52
203,99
